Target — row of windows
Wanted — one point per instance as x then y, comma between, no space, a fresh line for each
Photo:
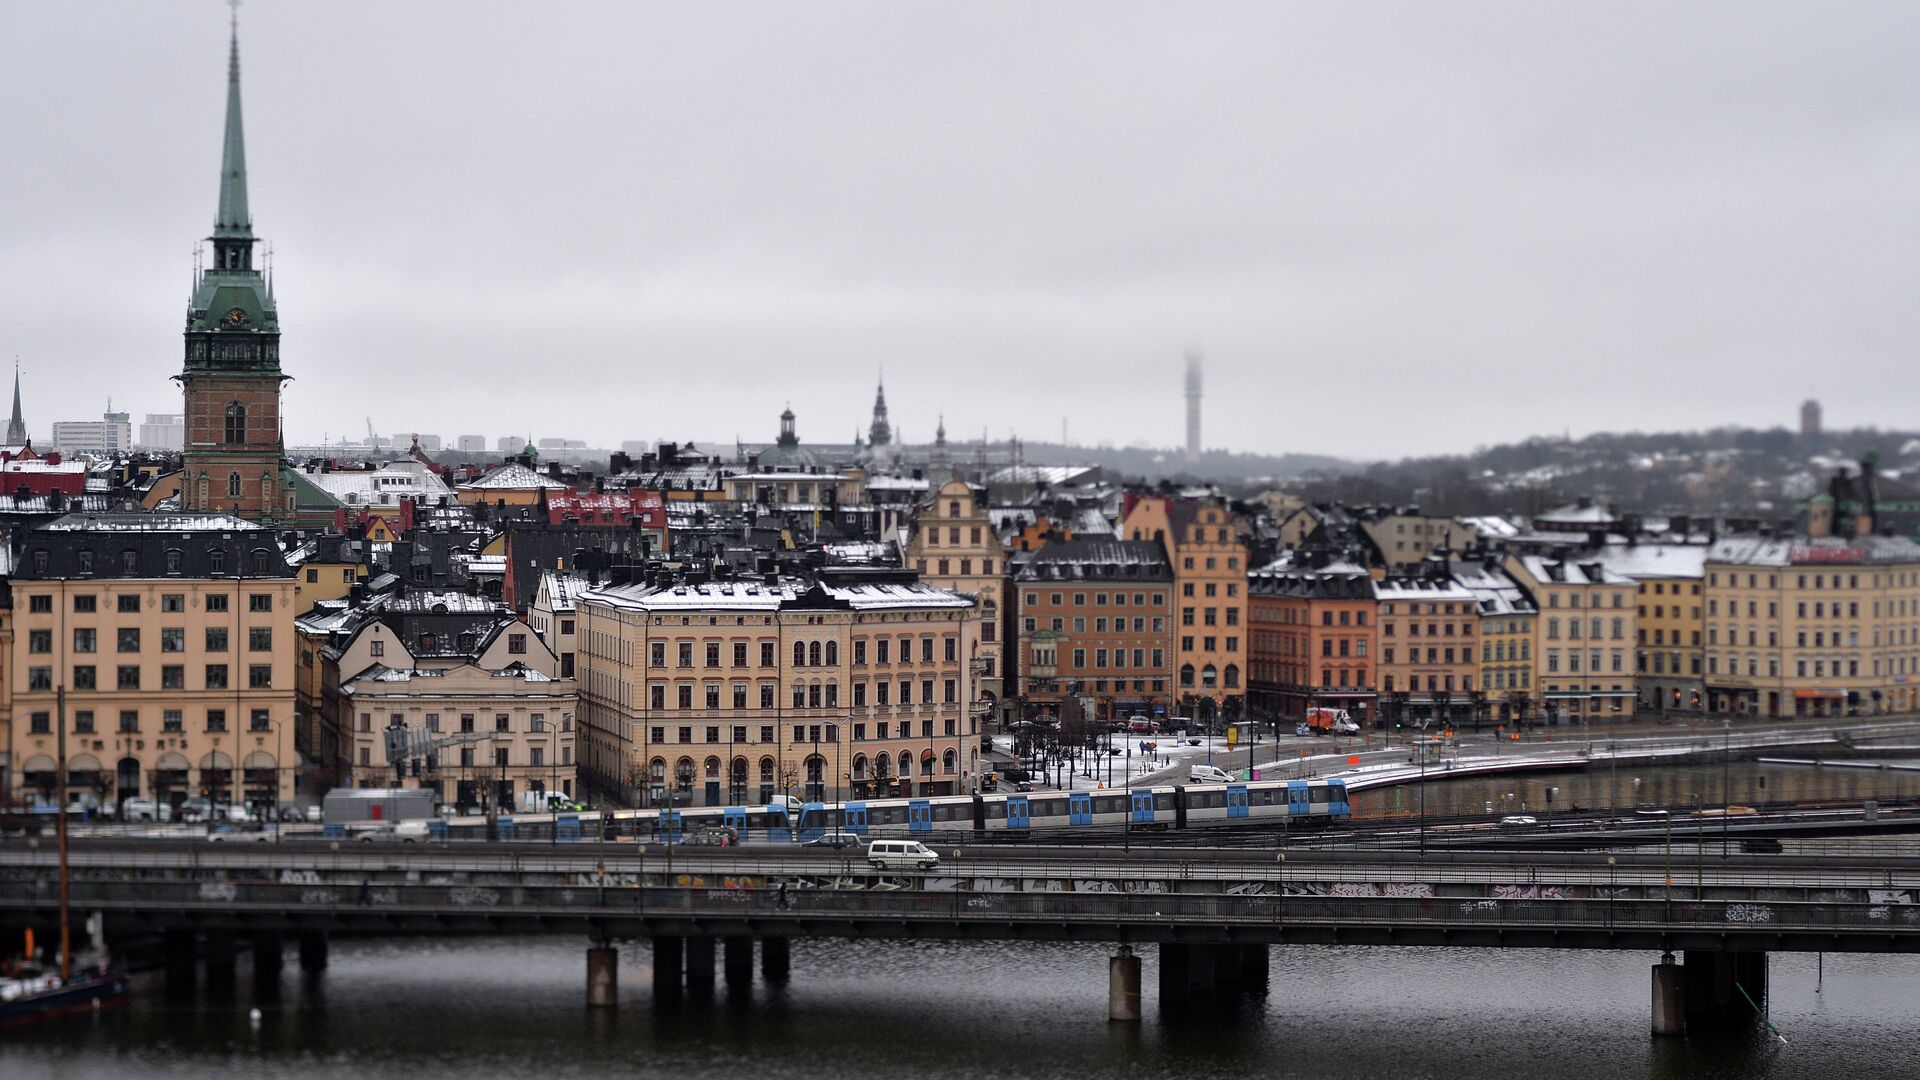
713,734
502,757
1573,599
259,559
127,639
1594,659
806,653
1210,589
1593,627
1101,625
172,677
129,603
1209,616
1434,656
469,722
805,695
944,567
1433,629
1434,683
172,721
1140,599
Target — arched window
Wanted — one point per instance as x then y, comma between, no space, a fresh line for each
813,654
833,653
1233,676
799,654
926,763
906,763
949,762
683,773
1207,677
236,423
713,768
1186,674
766,770
859,766
657,770
233,485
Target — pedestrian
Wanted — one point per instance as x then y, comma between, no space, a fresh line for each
366,891
780,899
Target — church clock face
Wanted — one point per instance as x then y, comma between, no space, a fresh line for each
235,317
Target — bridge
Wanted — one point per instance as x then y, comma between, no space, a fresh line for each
1211,913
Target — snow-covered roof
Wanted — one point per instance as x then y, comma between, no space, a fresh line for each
150,523
1421,587
1492,527
1654,560
1040,474
562,588
383,486
759,596
1827,550
516,477
1582,568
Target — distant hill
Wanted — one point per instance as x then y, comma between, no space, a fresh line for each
1731,471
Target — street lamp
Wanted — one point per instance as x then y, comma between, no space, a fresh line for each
1726,782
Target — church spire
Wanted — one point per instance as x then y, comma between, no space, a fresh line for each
233,219
16,427
880,433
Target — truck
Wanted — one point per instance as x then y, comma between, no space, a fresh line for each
360,806
1322,721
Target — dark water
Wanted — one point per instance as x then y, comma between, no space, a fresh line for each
425,1009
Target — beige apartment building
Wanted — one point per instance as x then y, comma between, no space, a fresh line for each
1584,635
167,643
735,690
1202,540
506,731
1828,626
1405,538
953,546
1428,666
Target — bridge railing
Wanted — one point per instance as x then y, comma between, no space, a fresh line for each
469,907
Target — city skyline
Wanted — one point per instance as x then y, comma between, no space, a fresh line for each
781,226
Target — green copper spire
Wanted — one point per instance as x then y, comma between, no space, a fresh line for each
233,219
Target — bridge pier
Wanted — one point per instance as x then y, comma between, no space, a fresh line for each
1123,987
223,951
313,951
700,964
1669,998
179,947
669,963
603,976
269,957
1254,966
776,960
1713,984
737,960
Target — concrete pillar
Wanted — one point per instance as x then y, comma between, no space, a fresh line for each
669,963
180,947
603,976
1254,966
1175,960
269,954
1669,998
1201,970
1226,969
737,959
776,960
700,963
223,951
1123,987
313,951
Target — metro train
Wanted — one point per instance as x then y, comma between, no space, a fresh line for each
1008,816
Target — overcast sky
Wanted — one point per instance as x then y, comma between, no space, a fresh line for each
1391,228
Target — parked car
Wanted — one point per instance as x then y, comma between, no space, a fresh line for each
194,809
1209,774
835,840
901,855
140,808
1518,821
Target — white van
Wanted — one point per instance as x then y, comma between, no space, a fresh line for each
901,855
1209,774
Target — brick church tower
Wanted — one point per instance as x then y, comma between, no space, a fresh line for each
232,377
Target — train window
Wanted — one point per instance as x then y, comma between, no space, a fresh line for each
1163,801
1318,794
1107,804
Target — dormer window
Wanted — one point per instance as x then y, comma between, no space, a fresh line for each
130,563
86,562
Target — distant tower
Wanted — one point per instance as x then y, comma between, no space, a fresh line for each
1193,408
16,427
1809,417
880,433
232,375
